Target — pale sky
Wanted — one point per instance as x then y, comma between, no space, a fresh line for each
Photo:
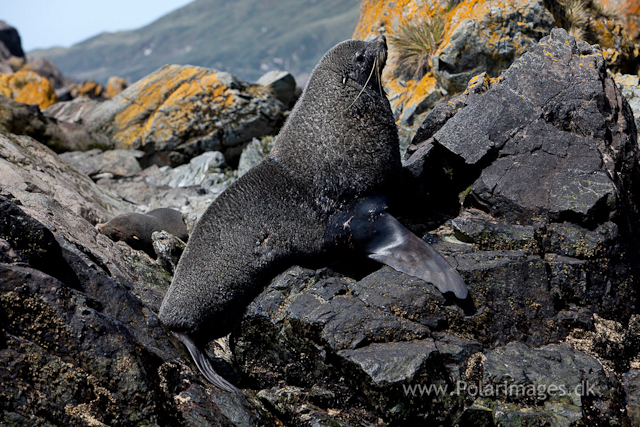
48,23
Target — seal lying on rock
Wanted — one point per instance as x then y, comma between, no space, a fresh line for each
136,229
315,194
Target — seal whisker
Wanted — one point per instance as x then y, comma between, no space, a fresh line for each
375,63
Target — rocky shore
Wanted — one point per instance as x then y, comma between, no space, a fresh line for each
526,177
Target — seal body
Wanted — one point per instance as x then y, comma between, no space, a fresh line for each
136,229
339,144
338,148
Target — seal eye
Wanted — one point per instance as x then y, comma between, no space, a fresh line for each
360,56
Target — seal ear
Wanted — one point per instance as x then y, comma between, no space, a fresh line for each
345,77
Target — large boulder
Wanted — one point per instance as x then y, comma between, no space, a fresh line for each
28,166
28,87
10,39
179,112
479,36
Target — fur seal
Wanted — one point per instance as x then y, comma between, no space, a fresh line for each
319,191
136,229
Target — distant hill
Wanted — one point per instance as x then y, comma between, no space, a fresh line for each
244,37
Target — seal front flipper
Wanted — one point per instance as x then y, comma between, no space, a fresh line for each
202,362
368,227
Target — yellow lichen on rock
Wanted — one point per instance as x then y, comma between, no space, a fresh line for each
89,88
471,37
176,115
29,88
179,112
132,122
114,86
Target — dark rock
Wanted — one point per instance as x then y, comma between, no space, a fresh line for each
10,38
563,385
282,83
563,119
79,335
631,384
168,248
549,152
27,119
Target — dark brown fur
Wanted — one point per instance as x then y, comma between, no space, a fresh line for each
339,144
136,229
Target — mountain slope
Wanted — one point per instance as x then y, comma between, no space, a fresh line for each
245,37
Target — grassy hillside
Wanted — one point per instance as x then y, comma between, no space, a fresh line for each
245,37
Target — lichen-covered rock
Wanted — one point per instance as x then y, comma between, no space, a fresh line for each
478,36
179,112
114,86
546,114
28,87
86,89
621,54
630,10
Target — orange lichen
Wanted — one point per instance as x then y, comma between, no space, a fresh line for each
115,85
89,88
165,104
28,87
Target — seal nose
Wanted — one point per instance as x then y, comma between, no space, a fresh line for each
381,39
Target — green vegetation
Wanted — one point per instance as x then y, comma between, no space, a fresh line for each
244,37
576,15
415,43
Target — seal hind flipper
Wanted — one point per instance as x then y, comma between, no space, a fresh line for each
366,226
202,362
